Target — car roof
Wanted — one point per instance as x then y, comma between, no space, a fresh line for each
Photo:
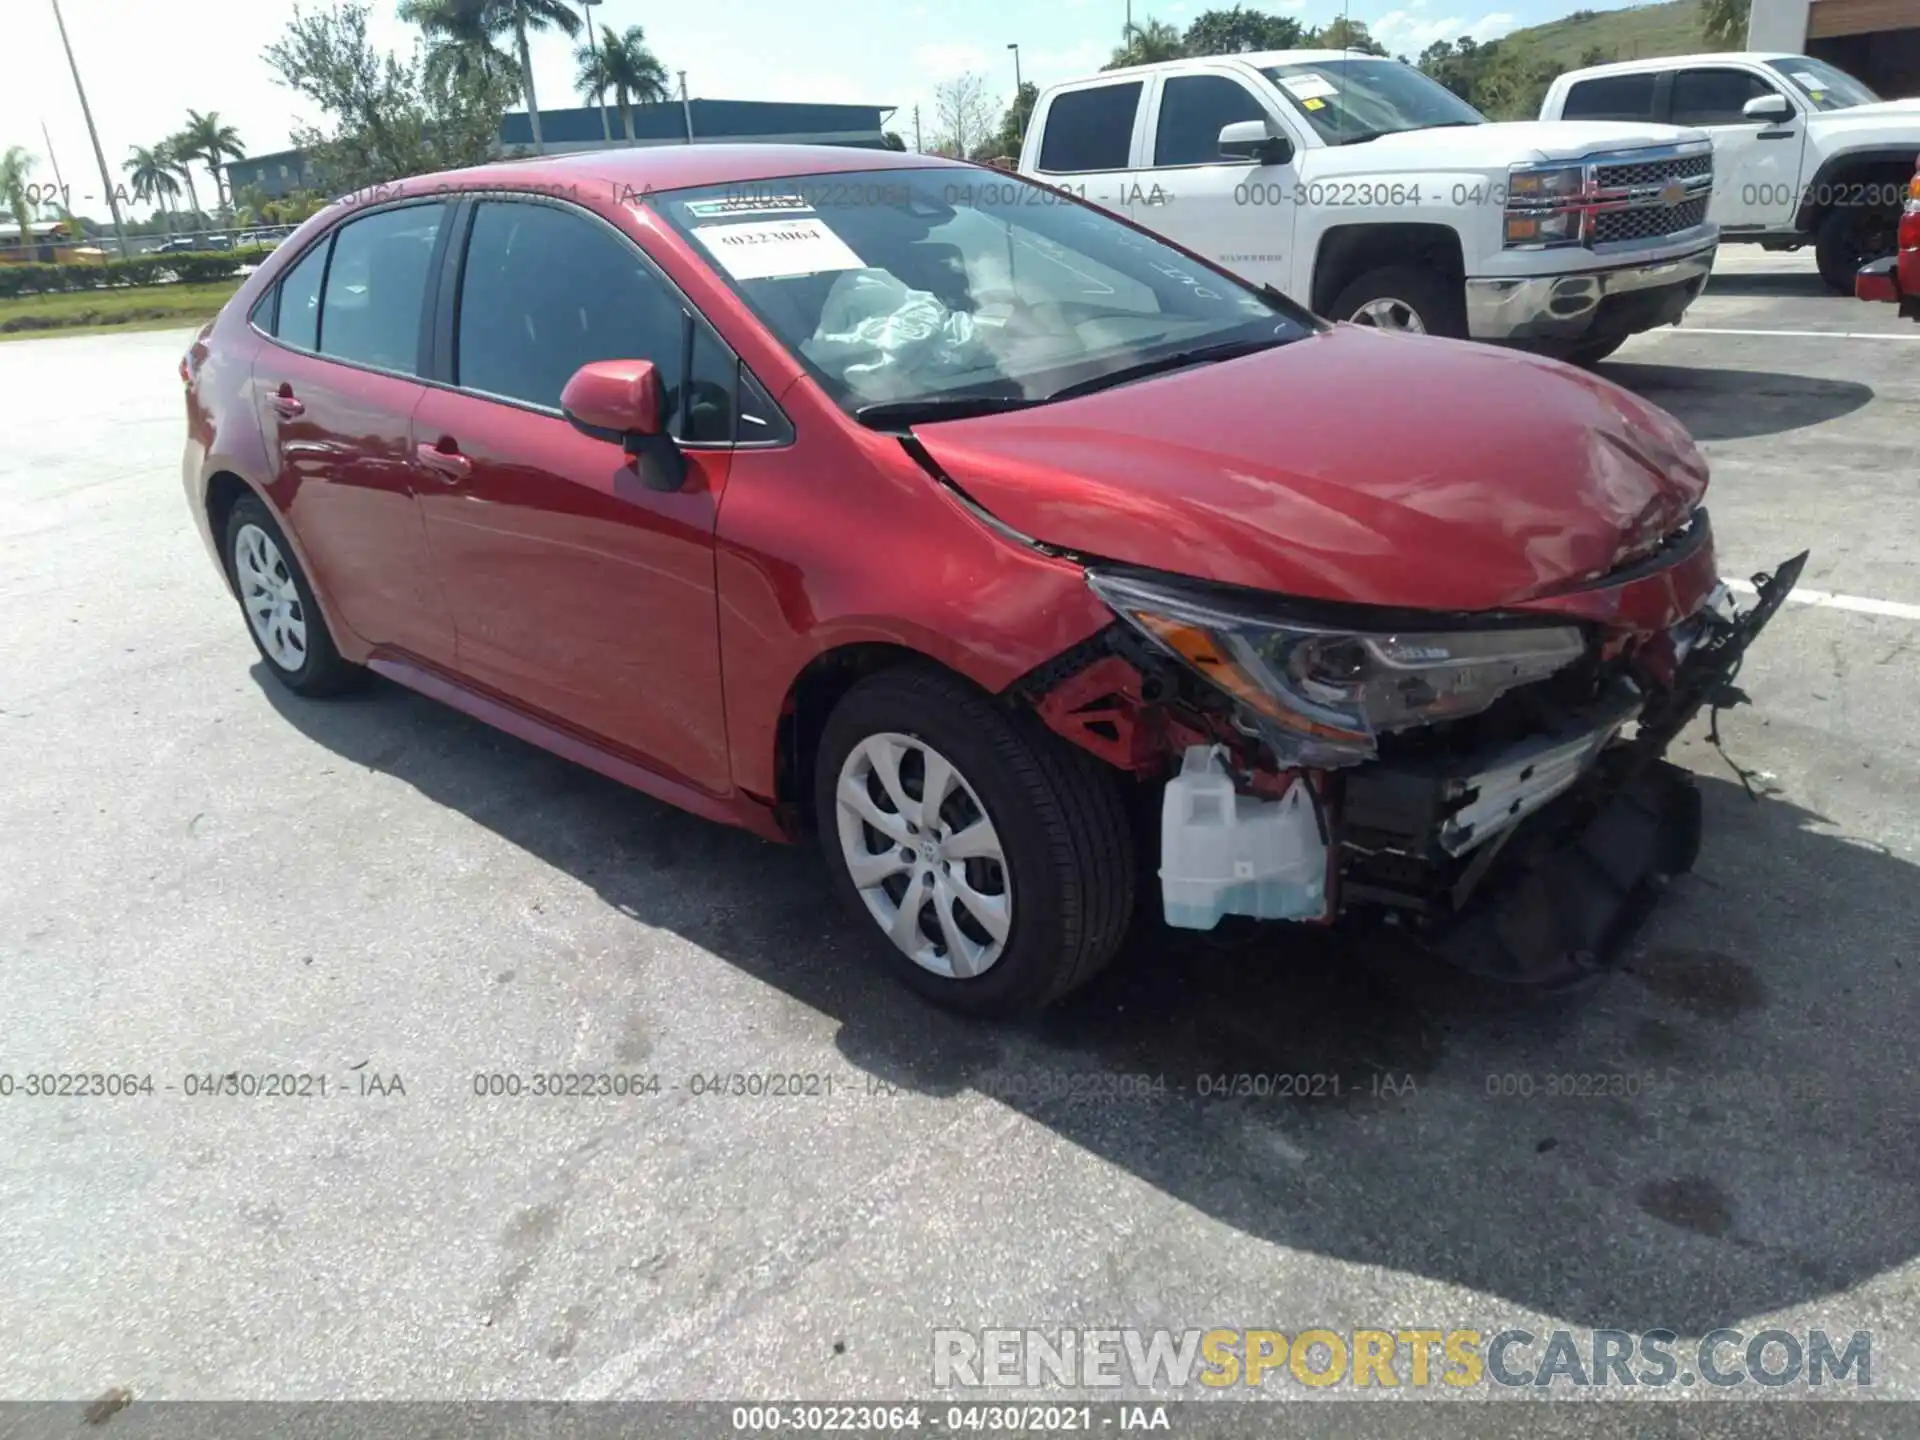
677,167
1664,62
1259,59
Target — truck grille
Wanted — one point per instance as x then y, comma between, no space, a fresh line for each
1648,199
1653,172
1646,221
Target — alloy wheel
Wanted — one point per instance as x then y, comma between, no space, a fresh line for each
1387,313
924,855
270,598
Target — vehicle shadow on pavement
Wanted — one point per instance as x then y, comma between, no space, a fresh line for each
1727,404
1721,1129
1769,283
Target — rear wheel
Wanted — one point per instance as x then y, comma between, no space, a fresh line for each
1402,298
287,626
992,862
1848,238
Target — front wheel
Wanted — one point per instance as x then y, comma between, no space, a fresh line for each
1847,239
991,861
1402,298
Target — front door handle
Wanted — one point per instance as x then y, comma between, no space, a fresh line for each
445,460
284,402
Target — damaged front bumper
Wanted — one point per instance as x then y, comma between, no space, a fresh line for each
1528,850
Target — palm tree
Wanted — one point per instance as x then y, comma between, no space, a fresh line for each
1146,45
153,182
525,15
460,36
179,159
16,164
625,65
207,140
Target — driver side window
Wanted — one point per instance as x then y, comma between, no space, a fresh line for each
544,291
1194,109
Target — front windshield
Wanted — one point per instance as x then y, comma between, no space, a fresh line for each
1350,100
947,284
1821,83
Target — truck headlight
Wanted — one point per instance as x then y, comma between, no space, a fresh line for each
1544,205
1322,696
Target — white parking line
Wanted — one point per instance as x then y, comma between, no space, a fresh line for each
1826,599
1789,334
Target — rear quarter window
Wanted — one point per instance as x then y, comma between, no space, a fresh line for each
1090,129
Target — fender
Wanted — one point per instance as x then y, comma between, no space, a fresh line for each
1812,208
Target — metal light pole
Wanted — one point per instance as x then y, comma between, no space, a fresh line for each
113,200
686,106
599,91
1020,121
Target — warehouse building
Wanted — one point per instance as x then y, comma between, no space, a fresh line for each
1876,40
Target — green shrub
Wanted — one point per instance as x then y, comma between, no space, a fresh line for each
194,267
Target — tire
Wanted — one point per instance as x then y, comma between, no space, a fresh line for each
1066,852
1848,238
1437,303
315,668
1592,352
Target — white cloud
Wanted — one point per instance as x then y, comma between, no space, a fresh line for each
1408,32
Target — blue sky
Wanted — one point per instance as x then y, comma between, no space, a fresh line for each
145,63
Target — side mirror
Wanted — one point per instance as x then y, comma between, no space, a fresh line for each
1255,140
619,401
1768,108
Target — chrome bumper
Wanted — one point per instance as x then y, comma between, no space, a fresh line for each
1569,307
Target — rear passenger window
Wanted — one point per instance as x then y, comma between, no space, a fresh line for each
376,286
1194,109
299,318
1715,97
1611,97
545,291
1090,129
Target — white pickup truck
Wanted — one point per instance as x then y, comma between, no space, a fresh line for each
1373,194
1803,152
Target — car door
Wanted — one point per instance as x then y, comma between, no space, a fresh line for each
1756,164
577,592
1236,212
336,391
1088,142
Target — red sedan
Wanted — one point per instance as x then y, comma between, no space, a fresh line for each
1896,277
1011,551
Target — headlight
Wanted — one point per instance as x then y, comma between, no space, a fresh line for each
1543,187
1322,696
1543,206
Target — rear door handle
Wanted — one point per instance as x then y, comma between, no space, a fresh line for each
449,463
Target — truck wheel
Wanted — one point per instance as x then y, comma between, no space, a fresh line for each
1399,297
1592,352
991,861
1848,238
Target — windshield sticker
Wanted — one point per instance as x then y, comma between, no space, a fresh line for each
768,249
736,205
1809,82
1314,102
1310,87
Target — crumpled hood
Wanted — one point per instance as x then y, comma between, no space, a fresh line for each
1354,466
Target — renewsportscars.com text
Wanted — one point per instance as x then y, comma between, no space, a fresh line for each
1391,1359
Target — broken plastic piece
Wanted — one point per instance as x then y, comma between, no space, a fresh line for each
1223,853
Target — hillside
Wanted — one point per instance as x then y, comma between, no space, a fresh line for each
1508,77
1669,29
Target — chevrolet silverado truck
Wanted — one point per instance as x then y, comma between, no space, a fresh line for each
1803,152
1371,193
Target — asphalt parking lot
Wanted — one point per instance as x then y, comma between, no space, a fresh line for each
200,874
